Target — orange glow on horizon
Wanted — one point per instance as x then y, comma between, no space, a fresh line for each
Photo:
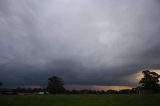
112,87
96,87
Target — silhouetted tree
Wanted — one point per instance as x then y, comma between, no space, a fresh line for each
1,84
150,80
55,85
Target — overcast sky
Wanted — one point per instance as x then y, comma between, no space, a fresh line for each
85,42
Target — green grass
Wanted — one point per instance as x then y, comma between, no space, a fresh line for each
81,100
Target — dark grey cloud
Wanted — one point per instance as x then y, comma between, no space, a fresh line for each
84,42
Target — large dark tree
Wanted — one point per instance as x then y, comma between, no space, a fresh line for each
1,84
150,80
55,85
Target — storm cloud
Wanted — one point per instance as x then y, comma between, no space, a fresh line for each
95,42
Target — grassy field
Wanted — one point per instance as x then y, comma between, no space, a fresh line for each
81,100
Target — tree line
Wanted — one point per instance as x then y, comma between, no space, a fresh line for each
150,81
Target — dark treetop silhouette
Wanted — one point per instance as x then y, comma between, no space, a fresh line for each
1,84
55,85
150,80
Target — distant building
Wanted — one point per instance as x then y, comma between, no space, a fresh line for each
40,93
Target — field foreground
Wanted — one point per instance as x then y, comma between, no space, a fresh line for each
81,100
